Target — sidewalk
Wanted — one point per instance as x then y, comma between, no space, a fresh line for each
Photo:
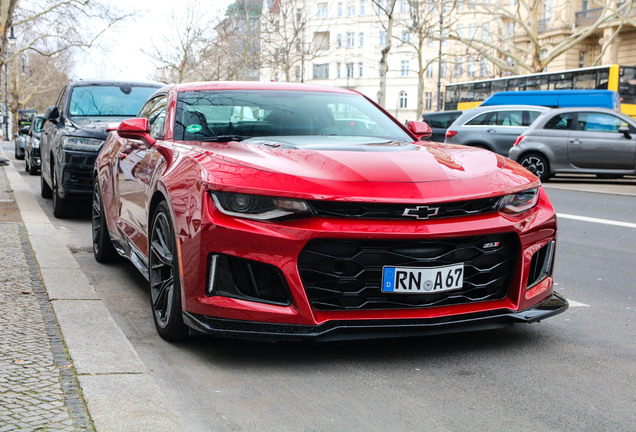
64,363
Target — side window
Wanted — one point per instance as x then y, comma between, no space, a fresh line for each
530,116
61,99
560,122
481,120
598,122
509,118
155,112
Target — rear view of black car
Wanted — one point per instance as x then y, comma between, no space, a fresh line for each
32,161
75,130
439,122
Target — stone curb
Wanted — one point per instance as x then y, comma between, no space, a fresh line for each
119,392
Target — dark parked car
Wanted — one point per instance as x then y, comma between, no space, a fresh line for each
253,212
439,122
579,140
494,128
25,117
32,161
74,131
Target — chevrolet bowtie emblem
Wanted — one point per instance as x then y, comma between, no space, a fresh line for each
421,212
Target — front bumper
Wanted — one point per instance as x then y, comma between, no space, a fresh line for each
339,330
76,168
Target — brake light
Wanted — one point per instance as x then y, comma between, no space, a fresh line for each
450,133
518,140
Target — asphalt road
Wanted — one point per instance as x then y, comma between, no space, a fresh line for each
573,372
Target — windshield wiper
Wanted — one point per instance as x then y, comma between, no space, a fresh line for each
223,138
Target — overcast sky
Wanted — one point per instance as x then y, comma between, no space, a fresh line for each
119,54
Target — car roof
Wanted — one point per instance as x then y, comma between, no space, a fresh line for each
104,82
585,109
256,85
506,108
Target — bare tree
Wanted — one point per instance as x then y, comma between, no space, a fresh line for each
287,41
385,11
521,43
235,53
178,54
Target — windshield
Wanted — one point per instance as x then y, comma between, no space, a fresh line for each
241,114
108,101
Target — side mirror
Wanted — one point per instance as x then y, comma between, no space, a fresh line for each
52,113
625,131
137,129
420,129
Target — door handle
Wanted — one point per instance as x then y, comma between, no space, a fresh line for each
491,130
575,141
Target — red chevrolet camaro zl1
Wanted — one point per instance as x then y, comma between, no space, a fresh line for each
290,211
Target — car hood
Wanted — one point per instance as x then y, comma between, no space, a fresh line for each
333,167
360,159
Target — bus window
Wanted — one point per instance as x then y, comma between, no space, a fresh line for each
498,86
562,81
627,85
450,102
602,79
537,83
467,92
517,84
482,91
585,80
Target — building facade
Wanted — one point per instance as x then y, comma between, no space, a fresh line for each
340,43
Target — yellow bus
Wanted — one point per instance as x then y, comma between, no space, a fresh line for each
622,79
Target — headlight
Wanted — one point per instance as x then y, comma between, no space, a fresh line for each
519,202
259,207
77,143
35,143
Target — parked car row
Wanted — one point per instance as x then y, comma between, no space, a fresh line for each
548,141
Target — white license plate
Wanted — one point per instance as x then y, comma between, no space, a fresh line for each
418,280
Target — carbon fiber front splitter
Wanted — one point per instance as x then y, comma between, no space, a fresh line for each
374,329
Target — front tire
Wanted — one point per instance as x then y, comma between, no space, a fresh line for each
103,248
45,189
537,164
61,206
165,283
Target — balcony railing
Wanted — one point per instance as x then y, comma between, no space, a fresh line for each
588,16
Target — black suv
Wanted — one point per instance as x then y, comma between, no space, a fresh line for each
75,130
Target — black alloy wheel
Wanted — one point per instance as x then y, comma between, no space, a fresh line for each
165,283
61,206
536,164
103,248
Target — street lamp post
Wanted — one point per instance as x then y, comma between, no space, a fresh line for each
5,117
439,64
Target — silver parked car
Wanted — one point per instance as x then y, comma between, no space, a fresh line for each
579,140
494,127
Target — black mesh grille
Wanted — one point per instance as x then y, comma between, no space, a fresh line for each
396,211
346,274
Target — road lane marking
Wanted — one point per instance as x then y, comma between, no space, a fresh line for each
577,304
596,220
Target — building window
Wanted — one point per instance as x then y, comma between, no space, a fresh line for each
322,10
360,70
382,38
339,40
406,37
321,71
321,40
404,71
429,71
483,67
582,58
363,6
349,70
340,9
338,70
402,5
459,67
351,10
428,101
511,29
350,39
472,66
297,73
299,14
361,39
485,32
403,99
442,69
